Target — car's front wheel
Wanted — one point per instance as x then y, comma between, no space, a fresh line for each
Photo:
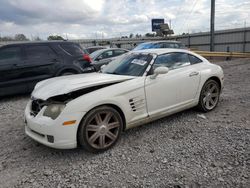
209,96
100,129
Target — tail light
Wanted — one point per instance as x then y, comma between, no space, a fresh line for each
87,58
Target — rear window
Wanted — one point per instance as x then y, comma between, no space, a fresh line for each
73,49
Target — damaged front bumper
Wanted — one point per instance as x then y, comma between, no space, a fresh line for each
51,132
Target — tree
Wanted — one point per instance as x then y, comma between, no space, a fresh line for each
6,38
149,35
55,37
20,37
137,36
37,38
131,35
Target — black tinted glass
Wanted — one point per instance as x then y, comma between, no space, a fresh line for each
73,49
41,51
107,54
194,59
119,52
10,53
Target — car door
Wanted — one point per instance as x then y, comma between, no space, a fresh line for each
39,63
11,79
176,88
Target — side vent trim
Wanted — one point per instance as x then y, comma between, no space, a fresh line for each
137,103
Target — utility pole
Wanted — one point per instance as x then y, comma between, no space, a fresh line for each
212,25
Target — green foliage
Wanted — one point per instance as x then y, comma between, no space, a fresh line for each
150,35
17,37
55,37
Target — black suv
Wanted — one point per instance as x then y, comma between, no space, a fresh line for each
22,65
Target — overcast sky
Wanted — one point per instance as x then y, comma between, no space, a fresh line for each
115,18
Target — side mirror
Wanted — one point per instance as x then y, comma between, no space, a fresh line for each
159,70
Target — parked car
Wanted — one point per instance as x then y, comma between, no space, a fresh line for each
22,65
160,44
105,56
92,49
91,110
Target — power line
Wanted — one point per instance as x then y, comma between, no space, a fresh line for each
187,17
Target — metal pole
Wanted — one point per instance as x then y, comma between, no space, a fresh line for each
212,25
244,37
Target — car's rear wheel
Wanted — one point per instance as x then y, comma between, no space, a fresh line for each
100,129
209,96
67,73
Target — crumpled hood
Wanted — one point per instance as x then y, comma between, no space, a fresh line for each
66,84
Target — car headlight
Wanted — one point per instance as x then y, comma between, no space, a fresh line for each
54,110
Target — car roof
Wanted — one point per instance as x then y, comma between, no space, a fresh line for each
103,47
115,49
39,42
107,49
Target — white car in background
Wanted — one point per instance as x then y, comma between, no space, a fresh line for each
91,110
105,56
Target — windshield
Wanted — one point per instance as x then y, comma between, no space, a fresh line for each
129,64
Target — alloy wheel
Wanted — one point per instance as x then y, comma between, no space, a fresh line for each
102,130
211,95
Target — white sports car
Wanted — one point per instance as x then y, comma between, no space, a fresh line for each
91,110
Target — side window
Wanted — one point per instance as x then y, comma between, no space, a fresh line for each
107,54
158,45
10,53
119,52
176,46
169,45
172,60
193,59
37,52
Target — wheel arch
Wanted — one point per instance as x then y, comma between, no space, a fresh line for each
67,70
215,78
117,108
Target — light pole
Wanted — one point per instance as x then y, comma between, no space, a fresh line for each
212,25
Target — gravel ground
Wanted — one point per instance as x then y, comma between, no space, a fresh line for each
188,149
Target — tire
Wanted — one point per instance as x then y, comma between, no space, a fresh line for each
209,96
67,73
100,129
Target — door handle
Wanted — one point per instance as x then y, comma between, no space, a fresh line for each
193,74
